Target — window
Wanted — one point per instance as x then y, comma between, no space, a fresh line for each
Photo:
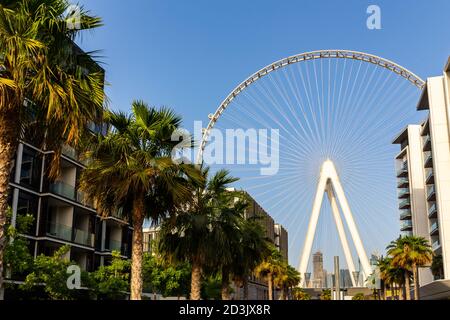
30,173
28,204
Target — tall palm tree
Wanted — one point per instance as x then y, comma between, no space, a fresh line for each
419,254
200,233
269,268
42,69
252,249
410,253
132,169
287,278
384,264
398,250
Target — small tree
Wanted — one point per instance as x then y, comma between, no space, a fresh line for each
51,272
358,296
112,281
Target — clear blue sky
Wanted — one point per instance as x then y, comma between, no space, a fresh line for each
190,54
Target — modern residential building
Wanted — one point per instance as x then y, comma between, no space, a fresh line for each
424,181
61,213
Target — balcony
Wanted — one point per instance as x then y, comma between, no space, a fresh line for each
436,245
63,189
59,231
406,225
83,199
405,215
403,171
431,193
434,228
427,143
403,193
430,177
83,237
428,163
120,215
402,182
404,204
432,211
69,152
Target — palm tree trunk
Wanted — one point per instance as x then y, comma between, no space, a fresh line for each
225,284
270,285
245,288
9,134
416,283
407,286
137,248
196,280
384,290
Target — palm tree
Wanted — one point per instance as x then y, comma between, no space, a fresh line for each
384,265
42,69
410,253
398,251
286,279
269,268
199,234
252,248
132,169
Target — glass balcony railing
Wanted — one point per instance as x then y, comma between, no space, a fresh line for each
114,245
403,193
430,177
403,171
59,231
405,214
83,199
432,210
63,189
404,204
406,225
434,227
402,182
69,152
83,237
119,215
428,163
431,191
436,245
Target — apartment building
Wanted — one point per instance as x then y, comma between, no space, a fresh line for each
424,182
62,215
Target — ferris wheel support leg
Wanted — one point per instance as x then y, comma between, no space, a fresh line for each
341,232
311,229
351,225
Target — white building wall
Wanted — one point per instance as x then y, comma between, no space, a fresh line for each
439,132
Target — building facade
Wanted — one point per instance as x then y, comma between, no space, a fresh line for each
424,182
61,213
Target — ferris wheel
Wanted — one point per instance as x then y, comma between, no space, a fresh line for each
337,106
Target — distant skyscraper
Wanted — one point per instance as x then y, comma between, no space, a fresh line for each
318,272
